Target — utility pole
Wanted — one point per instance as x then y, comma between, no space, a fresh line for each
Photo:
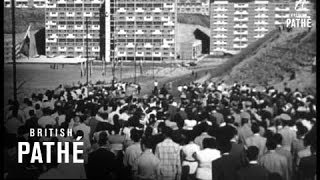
135,47
14,50
87,70
121,68
135,65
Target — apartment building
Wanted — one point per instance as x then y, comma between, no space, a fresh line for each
235,25
67,22
26,3
140,30
193,6
132,29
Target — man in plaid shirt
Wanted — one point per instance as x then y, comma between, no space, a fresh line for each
169,154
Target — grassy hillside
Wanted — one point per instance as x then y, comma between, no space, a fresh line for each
195,19
287,59
24,16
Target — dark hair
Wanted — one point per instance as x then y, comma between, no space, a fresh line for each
31,112
225,147
244,121
135,135
79,133
167,132
37,106
229,119
147,142
275,176
103,138
277,138
252,153
148,131
271,144
255,128
209,143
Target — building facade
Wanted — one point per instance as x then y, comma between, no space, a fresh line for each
235,25
26,3
190,50
193,6
67,22
141,30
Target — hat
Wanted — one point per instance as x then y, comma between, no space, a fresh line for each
245,115
172,125
183,96
161,96
284,117
248,103
145,97
189,124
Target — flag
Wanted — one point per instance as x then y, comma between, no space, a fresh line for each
24,46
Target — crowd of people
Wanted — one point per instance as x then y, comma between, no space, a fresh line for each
211,131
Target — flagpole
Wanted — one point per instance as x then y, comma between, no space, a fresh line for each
14,50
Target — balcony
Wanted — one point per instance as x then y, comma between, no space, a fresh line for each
220,23
61,1
53,14
169,23
166,5
241,6
87,14
220,29
78,27
241,12
79,49
95,27
95,49
239,46
150,18
261,30
62,48
140,10
140,54
259,36
157,31
261,9
240,33
240,26
281,16
70,36
280,9
220,36
241,19
220,9
220,16
130,18
122,32
62,27
122,10
238,39
157,10
261,23
261,16
261,2
156,54
70,14
139,32
220,42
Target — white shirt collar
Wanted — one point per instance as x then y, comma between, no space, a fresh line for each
253,162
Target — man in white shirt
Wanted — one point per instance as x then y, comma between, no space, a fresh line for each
46,119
